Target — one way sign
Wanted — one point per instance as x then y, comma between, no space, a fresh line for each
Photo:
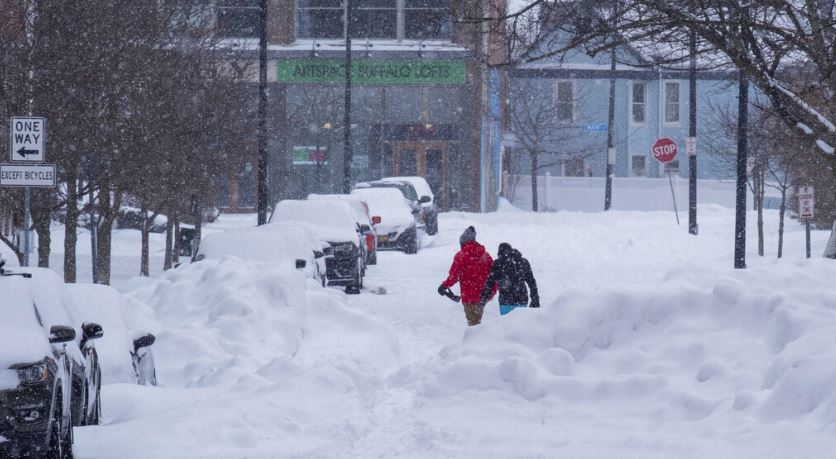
27,139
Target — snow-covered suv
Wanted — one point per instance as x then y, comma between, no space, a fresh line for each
36,367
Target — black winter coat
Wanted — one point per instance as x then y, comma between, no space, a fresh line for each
511,272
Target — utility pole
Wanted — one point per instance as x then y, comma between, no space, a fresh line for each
693,228
742,161
610,140
262,115
347,153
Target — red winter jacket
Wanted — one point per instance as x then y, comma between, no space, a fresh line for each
470,269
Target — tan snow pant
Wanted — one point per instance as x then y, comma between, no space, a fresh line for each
473,313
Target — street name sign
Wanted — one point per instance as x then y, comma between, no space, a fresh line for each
806,202
26,175
27,135
664,150
596,127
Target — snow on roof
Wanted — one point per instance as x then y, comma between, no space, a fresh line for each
22,338
333,220
388,204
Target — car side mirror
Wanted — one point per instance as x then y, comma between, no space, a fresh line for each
144,341
424,199
301,264
376,220
365,229
61,334
318,254
92,331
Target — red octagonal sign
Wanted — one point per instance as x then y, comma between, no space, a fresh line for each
664,150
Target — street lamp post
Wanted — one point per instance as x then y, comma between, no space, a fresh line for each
262,116
347,153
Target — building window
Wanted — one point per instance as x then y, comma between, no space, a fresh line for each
575,167
672,102
639,102
564,101
427,20
321,19
638,166
376,19
239,18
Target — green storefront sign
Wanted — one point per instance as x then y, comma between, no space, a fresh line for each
372,71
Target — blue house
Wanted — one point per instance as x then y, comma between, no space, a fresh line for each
650,103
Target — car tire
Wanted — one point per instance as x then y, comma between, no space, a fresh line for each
373,258
412,244
357,286
54,449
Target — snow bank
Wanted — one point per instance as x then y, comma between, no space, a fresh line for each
246,351
727,349
122,321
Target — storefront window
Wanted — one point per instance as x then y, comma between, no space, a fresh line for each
239,18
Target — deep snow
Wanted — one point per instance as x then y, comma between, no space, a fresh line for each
648,345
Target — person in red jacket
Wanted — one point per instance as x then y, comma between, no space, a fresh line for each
470,269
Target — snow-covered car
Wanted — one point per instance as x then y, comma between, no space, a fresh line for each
334,223
396,228
290,243
37,363
124,352
410,197
365,220
425,197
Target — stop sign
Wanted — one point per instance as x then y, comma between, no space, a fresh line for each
664,150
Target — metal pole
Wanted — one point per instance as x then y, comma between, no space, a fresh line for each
347,153
692,141
26,224
673,195
807,230
262,116
610,141
742,160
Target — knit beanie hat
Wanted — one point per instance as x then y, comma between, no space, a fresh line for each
468,235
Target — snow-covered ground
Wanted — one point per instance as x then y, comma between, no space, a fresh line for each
648,345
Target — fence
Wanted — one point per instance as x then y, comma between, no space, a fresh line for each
586,194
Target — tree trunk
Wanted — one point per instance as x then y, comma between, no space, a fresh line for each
534,200
144,269
108,210
781,214
71,226
176,253
40,207
760,190
198,230
169,233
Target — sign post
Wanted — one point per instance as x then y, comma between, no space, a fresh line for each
27,138
807,211
665,151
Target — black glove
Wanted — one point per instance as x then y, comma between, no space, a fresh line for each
535,303
442,290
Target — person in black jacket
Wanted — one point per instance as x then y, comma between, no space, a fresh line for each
511,272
